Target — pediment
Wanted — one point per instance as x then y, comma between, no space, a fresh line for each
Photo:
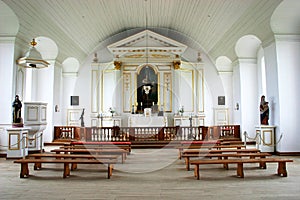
147,44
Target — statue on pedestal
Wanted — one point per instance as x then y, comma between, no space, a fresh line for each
17,118
264,111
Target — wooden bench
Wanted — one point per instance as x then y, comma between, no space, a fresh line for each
25,170
121,152
281,171
68,156
181,148
95,147
205,151
225,156
120,144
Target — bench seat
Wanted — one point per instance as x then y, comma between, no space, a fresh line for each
281,171
117,151
25,170
120,144
188,157
68,156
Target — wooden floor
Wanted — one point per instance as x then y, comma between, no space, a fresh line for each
150,174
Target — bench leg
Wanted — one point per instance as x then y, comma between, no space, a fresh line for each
187,163
282,169
66,170
74,166
109,170
240,170
225,165
24,170
263,165
196,172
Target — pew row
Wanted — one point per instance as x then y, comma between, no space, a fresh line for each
121,152
281,170
182,148
66,172
224,156
107,144
68,156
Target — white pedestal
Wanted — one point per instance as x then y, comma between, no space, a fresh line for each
265,138
36,120
17,142
185,121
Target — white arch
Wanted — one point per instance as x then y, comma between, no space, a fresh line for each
286,18
247,46
71,64
8,20
47,47
223,63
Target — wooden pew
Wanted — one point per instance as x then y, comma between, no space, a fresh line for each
188,157
25,170
68,156
201,151
281,171
181,148
109,144
121,152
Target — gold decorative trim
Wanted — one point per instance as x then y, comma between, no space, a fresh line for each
264,137
127,86
17,143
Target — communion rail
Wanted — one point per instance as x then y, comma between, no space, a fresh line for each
177,133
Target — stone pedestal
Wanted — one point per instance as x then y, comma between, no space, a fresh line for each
17,142
265,141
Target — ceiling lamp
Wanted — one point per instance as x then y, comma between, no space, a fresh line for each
33,58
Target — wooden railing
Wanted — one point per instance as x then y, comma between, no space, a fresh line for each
146,133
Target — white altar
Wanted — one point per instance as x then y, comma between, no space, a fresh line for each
147,121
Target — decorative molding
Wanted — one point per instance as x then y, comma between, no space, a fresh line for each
287,38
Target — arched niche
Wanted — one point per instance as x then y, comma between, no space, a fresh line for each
247,46
286,18
8,20
147,87
47,47
70,65
224,64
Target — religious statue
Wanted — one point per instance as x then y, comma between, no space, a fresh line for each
17,106
264,111
82,119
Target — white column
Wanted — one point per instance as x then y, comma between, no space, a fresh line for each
248,87
288,71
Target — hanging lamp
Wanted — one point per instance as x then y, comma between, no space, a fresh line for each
33,58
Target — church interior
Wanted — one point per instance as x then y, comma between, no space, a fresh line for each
146,76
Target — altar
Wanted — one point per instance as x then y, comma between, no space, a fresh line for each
140,120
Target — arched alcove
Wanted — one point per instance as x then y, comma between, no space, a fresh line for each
223,63
286,18
247,46
70,65
47,47
8,20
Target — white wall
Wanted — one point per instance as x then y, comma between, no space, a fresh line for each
7,90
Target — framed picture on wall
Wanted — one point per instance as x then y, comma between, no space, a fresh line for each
74,100
221,100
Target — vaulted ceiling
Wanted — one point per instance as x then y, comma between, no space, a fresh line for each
78,26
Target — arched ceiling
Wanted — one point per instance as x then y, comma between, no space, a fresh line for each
78,26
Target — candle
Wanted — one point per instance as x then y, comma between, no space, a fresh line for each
141,103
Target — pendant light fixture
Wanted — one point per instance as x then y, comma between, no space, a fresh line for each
33,58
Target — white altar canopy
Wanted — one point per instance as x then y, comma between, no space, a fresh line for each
149,121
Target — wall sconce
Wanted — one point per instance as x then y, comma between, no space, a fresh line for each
33,58
237,106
